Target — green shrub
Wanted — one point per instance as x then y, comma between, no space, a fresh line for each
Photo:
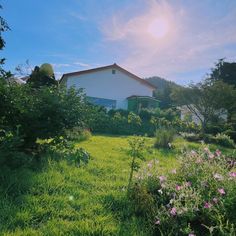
197,198
231,134
224,140
61,149
11,154
78,156
191,137
220,139
41,113
77,134
164,138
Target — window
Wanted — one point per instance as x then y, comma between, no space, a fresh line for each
108,103
113,72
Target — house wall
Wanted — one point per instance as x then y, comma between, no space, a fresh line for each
104,84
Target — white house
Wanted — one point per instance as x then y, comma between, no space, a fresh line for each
112,87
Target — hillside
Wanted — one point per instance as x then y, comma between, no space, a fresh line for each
161,83
163,91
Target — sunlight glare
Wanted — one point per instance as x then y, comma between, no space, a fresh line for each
158,28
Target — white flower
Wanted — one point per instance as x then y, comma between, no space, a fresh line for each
160,191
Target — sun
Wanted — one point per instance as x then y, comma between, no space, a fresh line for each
158,28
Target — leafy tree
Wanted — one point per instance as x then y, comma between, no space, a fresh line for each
41,113
42,76
163,91
207,101
224,71
164,96
3,28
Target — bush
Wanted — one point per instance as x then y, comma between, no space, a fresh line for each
11,154
231,134
220,139
61,149
41,113
77,134
224,140
197,198
164,138
191,137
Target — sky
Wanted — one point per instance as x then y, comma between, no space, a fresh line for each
179,40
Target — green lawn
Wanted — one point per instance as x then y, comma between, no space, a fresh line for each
61,199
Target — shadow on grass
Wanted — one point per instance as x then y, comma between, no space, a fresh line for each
111,135
14,184
122,210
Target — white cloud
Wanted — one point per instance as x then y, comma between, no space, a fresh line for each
194,40
60,65
81,64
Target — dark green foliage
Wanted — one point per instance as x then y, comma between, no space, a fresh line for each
11,154
60,148
3,28
128,123
191,137
219,139
224,71
77,134
231,134
205,101
42,76
78,157
163,91
41,113
164,138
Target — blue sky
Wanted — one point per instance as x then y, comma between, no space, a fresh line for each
179,40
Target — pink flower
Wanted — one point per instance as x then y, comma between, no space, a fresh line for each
173,211
162,178
207,205
178,187
174,171
232,174
192,235
193,152
221,191
218,152
158,222
215,200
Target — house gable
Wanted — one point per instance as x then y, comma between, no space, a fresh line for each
115,67
108,84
